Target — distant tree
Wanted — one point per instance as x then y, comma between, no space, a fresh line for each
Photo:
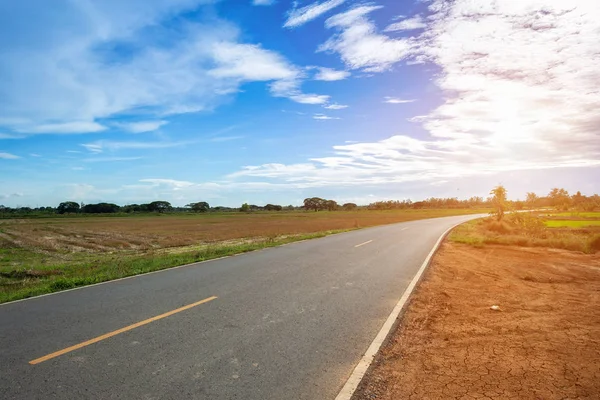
245,207
498,201
532,200
331,205
578,199
201,206
100,208
67,207
273,207
160,206
315,203
560,199
349,206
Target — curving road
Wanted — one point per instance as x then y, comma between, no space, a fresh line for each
287,323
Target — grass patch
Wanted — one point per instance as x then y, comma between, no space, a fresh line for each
19,284
555,223
528,230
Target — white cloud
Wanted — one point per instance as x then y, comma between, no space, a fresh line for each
34,155
8,156
68,82
225,138
360,46
323,117
310,98
335,106
395,100
408,24
520,81
142,126
175,184
110,159
245,63
300,16
328,74
8,136
63,128
263,2
101,145
8,196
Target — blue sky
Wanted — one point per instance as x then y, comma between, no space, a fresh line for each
273,101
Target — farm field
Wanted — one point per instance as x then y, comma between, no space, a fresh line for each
50,254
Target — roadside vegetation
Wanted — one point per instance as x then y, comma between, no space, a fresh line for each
577,229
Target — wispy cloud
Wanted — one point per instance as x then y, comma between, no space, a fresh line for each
110,159
328,74
142,126
395,100
408,24
8,196
59,85
10,136
358,43
102,145
34,155
263,2
74,127
517,81
323,117
335,106
8,156
300,16
225,138
246,63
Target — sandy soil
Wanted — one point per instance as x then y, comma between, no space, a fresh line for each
543,343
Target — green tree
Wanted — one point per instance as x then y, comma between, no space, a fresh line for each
331,205
245,207
349,206
67,207
560,199
201,206
498,202
160,206
532,200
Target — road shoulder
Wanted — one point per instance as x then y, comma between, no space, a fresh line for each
541,343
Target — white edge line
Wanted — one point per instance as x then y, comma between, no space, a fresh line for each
361,369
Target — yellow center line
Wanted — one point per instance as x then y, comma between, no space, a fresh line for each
362,244
118,331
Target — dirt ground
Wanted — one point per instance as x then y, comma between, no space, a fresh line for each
543,343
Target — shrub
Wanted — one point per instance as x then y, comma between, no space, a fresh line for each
594,244
497,226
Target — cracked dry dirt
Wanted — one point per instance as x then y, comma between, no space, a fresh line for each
543,344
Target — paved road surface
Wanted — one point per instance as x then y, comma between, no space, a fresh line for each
288,323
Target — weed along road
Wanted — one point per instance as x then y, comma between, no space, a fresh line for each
290,322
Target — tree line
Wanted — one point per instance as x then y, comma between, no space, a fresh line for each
557,198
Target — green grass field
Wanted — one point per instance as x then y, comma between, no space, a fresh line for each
571,223
573,215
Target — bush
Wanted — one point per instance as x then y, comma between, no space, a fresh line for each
497,226
594,244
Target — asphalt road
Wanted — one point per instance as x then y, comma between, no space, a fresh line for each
288,323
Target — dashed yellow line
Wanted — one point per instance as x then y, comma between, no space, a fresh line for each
118,331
